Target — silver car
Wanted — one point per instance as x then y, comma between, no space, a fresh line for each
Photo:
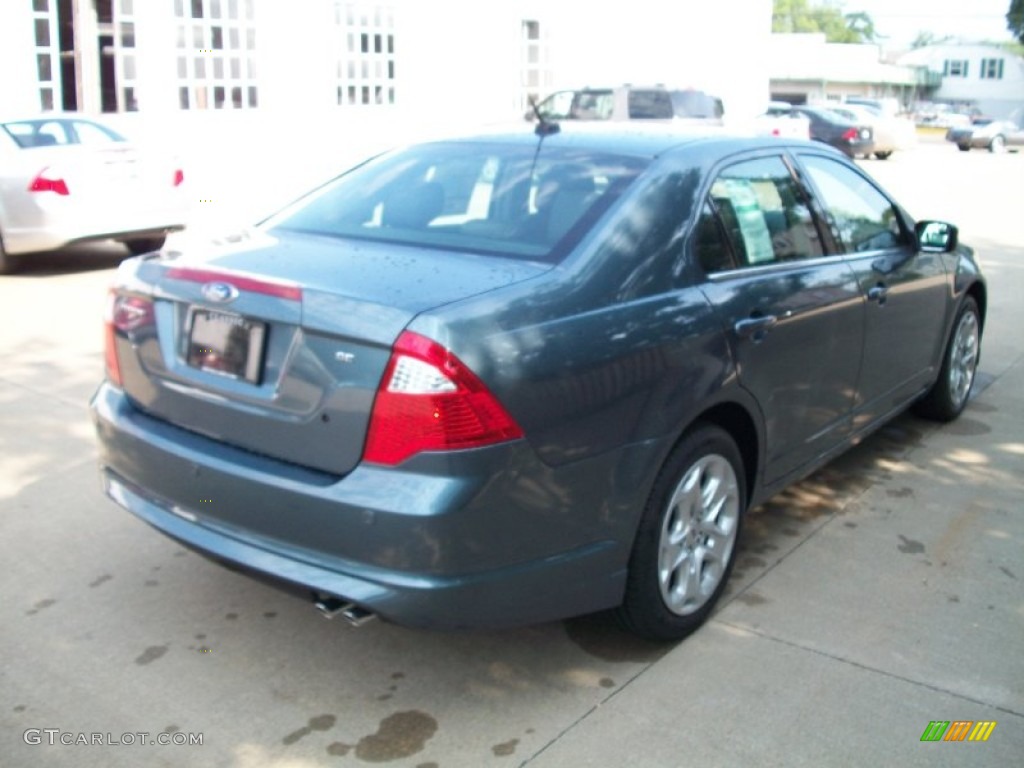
67,179
983,133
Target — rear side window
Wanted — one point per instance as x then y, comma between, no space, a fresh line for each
649,105
697,104
861,217
476,197
755,215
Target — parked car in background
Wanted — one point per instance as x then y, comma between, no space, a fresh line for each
852,138
888,133
632,102
65,178
515,377
985,133
780,119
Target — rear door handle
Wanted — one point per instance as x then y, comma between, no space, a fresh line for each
755,328
879,293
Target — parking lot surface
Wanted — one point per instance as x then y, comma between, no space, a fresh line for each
881,594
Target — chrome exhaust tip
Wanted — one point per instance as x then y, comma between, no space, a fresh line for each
330,607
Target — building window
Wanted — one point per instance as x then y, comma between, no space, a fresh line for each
47,51
365,66
991,69
117,27
955,68
216,54
535,71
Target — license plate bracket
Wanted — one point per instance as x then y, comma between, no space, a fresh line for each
226,344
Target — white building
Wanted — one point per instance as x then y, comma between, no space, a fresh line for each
983,77
315,84
461,57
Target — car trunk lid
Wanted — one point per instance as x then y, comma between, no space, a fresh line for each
278,346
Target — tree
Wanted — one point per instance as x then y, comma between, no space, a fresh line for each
801,16
1015,19
924,39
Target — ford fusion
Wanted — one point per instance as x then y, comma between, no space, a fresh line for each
522,376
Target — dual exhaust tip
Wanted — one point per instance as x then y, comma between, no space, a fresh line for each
331,607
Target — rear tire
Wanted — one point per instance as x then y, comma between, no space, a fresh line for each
883,155
997,146
8,264
948,396
142,245
686,541
964,147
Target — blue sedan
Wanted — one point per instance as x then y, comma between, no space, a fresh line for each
516,377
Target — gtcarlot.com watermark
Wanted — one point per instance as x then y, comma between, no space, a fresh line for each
57,737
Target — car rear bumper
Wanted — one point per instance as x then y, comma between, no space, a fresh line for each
53,222
487,547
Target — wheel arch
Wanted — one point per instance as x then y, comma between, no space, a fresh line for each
979,293
737,421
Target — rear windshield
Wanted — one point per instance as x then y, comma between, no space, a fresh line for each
519,201
48,132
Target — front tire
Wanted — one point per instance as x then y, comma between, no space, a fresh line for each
686,542
998,145
883,155
948,396
964,147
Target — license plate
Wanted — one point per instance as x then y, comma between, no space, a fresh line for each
227,344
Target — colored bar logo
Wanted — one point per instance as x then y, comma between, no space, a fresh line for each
958,730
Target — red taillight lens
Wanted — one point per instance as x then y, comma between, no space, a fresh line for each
429,401
179,177
44,183
852,134
124,314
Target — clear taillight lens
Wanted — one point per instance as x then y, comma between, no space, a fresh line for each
125,315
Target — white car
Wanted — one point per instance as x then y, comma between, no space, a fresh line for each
891,133
780,119
66,179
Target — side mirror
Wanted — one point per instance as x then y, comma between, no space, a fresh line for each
529,116
936,236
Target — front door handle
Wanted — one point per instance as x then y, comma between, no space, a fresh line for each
755,327
878,293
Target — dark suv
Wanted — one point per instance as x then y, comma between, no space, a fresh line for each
631,102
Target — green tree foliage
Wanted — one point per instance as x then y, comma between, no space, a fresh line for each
827,17
1015,19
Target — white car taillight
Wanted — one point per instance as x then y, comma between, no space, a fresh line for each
45,182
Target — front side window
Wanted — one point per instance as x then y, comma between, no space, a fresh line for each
593,105
756,215
475,197
862,218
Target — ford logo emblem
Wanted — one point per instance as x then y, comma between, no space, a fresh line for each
220,293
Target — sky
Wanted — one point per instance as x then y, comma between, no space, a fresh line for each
901,20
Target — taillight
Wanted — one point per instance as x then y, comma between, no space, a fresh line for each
124,314
852,134
429,400
44,183
179,177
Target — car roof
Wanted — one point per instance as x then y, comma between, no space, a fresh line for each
637,138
